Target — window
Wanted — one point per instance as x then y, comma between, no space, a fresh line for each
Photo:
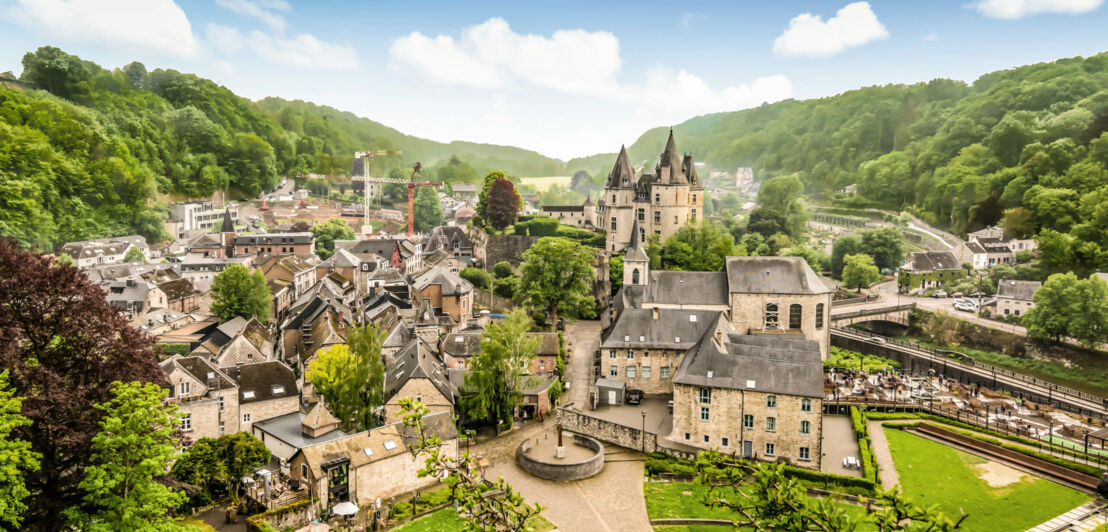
675,218
246,417
613,371
795,311
642,214
706,396
635,276
186,422
692,216
613,223
706,440
657,198
221,428
612,354
646,354
771,316
657,217
724,442
748,421
805,455
771,401
704,413
805,405
630,372
221,403
665,372
771,424
390,445
646,372
542,365
304,471
613,198
630,354
770,449
819,316
686,436
694,198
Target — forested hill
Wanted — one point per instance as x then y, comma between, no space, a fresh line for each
962,154
87,152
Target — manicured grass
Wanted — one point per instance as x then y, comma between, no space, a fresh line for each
448,519
932,473
668,500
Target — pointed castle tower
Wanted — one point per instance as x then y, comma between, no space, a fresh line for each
636,263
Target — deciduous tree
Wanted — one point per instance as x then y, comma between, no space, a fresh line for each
885,245
698,247
238,292
134,254
428,211
860,271
492,385
16,456
135,446
480,278
221,461
327,233
557,275
351,377
502,205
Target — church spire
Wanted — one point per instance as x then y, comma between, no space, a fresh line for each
228,224
636,263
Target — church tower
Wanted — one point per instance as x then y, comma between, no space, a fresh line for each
620,197
636,263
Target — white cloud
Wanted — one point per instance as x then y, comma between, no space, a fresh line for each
809,36
157,25
301,51
1013,9
263,10
492,56
687,20
931,37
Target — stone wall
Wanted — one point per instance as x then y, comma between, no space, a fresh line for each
563,471
655,359
263,410
499,248
604,430
420,389
748,315
491,301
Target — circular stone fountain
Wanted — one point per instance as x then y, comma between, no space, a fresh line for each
545,456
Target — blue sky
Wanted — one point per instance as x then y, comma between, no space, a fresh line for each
566,79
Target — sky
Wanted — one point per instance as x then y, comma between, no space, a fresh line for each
566,79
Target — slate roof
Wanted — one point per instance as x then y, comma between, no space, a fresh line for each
417,360
974,247
464,187
178,289
84,250
287,428
622,174
1021,290
468,343
451,283
127,291
672,159
927,261
289,263
382,247
327,330
764,363
439,424
318,416
228,225
270,239
674,328
444,236
773,275
268,380
688,288
563,208
199,368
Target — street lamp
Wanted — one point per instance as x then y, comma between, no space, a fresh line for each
644,431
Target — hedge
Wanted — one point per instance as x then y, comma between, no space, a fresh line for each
403,509
869,463
257,522
658,463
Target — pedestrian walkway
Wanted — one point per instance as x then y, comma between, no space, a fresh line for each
885,466
1086,517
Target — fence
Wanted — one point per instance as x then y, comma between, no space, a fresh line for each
1045,442
968,360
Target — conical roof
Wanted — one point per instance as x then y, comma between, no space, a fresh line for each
588,200
690,170
622,175
318,417
228,225
635,251
672,159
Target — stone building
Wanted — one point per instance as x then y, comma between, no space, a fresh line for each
583,216
448,293
926,270
275,244
1015,298
207,397
661,202
416,372
266,390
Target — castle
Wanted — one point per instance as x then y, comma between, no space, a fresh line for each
660,202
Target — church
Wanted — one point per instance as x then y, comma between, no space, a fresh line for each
660,202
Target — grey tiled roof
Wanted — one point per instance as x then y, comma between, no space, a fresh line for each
1021,290
417,360
931,261
764,363
688,288
773,275
287,428
674,328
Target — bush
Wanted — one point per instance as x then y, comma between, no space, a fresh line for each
536,226
480,278
503,269
505,287
657,466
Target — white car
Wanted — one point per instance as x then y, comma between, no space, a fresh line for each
964,307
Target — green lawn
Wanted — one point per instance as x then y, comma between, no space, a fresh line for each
448,519
932,473
668,500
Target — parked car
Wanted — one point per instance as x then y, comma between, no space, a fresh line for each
876,339
940,293
956,294
634,397
964,307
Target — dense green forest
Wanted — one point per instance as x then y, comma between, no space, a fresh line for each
87,152
1025,148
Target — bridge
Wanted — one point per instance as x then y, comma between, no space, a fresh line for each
849,315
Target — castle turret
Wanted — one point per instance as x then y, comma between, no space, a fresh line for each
636,263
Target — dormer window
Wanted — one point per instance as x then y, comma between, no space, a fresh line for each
390,445
278,390
248,395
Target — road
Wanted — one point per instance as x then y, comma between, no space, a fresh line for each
582,340
887,296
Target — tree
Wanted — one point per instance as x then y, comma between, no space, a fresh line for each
221,461
492,385
843,246
885,245
766,499
815,258
557,275
134,255
135,447
53,70
698,247
503,269
56,331
508,512
782,195
502,205
860,271
351,378
1089,308
486,189
428,211
237,292
615,272
1068,306
480,278
765,222
1018,222
327,233
18,458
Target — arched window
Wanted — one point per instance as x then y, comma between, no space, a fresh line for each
819,316
771,316
795,310
635,276
642,235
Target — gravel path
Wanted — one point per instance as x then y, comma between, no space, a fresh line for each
886,468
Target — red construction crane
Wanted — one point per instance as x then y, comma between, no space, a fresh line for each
412,185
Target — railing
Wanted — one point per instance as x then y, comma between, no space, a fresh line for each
982,422
968,360
872,312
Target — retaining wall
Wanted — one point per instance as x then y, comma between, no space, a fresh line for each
563,471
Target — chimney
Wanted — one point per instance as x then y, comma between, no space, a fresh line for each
655,309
